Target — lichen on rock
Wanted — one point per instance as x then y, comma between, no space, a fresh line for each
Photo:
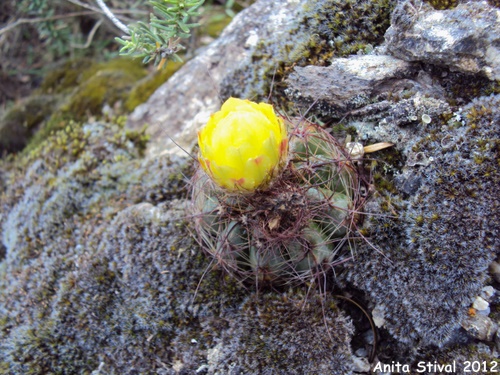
447,37
99,272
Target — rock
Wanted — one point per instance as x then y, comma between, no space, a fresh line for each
361,365
98,259
348,83
99,271
378,316
465,38
76,90
423,273
480,327
480,304
487,293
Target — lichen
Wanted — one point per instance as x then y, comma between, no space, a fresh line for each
100,271
425,275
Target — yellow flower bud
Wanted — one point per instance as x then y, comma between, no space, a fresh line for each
243,146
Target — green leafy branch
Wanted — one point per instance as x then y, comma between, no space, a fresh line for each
159,40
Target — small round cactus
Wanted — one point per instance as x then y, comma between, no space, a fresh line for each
281,223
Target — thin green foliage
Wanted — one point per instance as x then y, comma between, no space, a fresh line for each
159,40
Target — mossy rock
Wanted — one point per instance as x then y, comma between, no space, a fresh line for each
143,89
102,84
20,122
79,90
67,76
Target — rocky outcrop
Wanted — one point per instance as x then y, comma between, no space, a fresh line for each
100,272
465,38
249,55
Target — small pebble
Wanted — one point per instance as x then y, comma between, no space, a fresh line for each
487,292
480,327
369,337
360,364
378,316
480,304
361,352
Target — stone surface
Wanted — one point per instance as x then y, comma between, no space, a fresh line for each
262,41
348,83
480,327
465,38
480,304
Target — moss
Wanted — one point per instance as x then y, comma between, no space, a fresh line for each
442,4
270,330
91,275
143,89
81,89
216,23
102,84
65,77
454,191
464,87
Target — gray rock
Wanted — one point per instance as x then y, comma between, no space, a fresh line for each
100,273
465,38
348,83
487,293
361,364
480,327
262,40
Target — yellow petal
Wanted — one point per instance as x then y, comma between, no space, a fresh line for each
243,145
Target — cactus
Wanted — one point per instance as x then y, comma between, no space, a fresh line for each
293,227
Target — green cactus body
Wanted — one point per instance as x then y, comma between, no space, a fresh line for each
293,229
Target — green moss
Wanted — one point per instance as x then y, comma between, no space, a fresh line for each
217,20
84,89
103,84
442,4
143,89
65,77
